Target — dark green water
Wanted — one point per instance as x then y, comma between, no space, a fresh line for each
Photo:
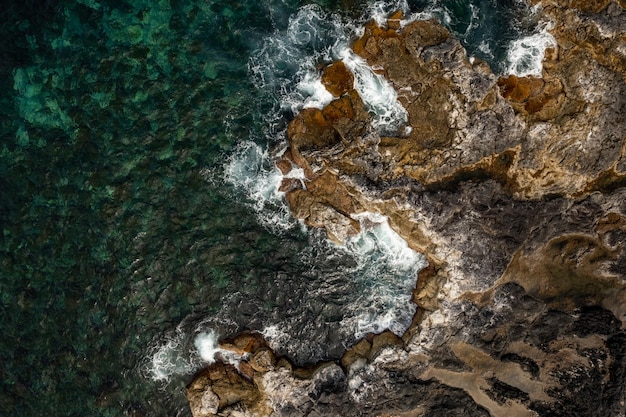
116,120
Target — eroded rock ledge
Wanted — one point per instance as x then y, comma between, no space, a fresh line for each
515,190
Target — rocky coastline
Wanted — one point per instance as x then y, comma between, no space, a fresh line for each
513,188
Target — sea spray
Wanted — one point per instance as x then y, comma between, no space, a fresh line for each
170,358
387,274
525,55
182,354
206,344
339,294
316,94
251,170
379,96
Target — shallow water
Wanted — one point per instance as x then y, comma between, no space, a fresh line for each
139,207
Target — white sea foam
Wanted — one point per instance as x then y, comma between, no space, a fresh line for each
287,68
251,169
387,269
181,354
485,48
170,358
276,336
525,55
288,65
206,344
316,94
379,96
372,280
379,265
380,10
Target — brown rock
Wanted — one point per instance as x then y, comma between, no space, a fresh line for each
393,21
284,165
246,370
337,78
593,6
338,226
300,202
348,116
310,130
424,33
289,184
383,340
514,190
520,89
224,382
263,360
360,350
366,45
328,188
205,403
244,343
566,272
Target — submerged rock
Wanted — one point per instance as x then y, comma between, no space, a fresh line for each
515,190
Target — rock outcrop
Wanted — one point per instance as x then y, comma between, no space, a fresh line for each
515,190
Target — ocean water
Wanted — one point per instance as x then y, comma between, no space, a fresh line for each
139,210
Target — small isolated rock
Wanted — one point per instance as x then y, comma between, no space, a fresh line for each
337,78
393,22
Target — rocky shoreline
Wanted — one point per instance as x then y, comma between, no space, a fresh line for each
515,190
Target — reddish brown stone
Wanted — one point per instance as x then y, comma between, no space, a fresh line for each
246,370
244,343
329,189
284,165
263,360
338,109
594,6
393,22
337,78
310,130
300,202
520,89
371,33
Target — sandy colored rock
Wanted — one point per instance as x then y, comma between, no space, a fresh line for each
361,350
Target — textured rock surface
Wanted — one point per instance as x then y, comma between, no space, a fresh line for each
514,188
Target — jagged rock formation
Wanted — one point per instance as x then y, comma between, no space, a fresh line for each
514,189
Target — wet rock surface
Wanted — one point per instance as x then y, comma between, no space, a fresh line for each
514,189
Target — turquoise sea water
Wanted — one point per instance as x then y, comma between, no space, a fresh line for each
119,233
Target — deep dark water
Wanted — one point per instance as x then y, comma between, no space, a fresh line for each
116,118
